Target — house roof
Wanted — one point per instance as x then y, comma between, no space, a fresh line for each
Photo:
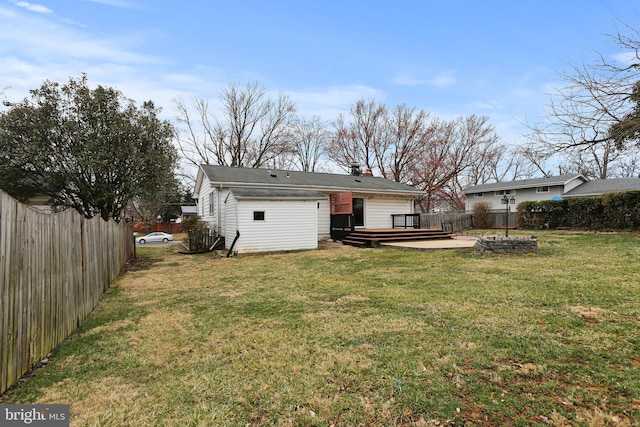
237,177
524,183
189,209
275,194
603,186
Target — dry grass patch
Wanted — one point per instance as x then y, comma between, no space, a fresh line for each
105,401
164,338
120,325
593,314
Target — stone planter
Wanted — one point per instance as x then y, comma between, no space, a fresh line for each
507,244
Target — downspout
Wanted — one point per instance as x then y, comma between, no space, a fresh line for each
233,244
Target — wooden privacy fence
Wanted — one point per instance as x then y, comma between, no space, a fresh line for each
54,269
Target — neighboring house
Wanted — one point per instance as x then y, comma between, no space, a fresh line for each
557,187
288,210
598,187
187,211
522,190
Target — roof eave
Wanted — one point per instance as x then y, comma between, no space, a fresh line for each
317,188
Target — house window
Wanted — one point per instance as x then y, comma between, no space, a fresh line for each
358,211
544,189
504,193
258,215
211,204
478,195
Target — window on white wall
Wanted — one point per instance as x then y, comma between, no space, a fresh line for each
212,205
478,195
258,215
505,192
544,189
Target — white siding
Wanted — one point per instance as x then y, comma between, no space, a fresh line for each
324,220
203,203
221,217
231,215
378,211
215,220
288,225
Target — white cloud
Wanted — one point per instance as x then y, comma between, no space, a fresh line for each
440,81
405,80
626,58
116,3
329,102
37,8
42,39
489,104
36,47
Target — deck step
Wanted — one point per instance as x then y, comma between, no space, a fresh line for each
372,237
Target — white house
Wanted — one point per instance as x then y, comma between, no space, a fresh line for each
522,190
286,210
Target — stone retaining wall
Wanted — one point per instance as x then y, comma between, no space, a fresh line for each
507,244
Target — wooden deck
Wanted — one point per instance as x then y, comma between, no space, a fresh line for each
373,237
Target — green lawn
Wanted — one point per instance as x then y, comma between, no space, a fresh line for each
346,336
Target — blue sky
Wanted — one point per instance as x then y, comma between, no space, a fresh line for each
449,58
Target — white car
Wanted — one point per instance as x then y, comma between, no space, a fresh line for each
157,236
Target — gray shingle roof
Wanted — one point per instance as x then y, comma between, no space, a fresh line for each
276,194
603,186
524,183
270,178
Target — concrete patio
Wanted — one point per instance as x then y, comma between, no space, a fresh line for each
456,242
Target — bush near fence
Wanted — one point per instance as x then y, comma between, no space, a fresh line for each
54,268
613,211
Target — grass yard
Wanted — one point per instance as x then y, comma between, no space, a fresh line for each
343,336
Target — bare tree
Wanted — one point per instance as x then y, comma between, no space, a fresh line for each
197,141
409,146
538,155
308,143
447,151
403,132
584,111
251,130
385,143
357,141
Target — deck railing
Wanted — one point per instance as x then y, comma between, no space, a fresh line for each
406,220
